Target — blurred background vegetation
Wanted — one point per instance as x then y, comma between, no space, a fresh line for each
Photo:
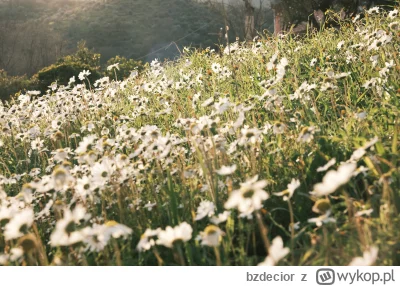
42,41
36,35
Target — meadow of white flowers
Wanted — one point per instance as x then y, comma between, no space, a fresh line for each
283,152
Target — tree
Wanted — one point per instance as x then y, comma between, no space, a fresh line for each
296,11
249,20
245,19
26,46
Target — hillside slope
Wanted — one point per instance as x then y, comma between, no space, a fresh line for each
282,152
135,28
143,29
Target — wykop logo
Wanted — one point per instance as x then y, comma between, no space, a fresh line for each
325,276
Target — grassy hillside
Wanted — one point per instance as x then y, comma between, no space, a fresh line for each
142,29
283,152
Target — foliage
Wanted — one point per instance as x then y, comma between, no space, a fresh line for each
28,42
140,30
301,10
282,151
83,55
10,85
70,66
124,67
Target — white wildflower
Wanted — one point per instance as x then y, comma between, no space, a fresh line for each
373,10
367,212
206,208
329,164
211,236
114,66
226,170
334,179
84,74
169,236
147,239
393,14
275,253
325,218
369,257
18,224
313,62
249,197
340,45
222,217
149,206
291,187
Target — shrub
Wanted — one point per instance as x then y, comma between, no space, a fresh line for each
61,73
69,66
125,67
10,85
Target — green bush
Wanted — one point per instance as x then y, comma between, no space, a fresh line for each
83,56
69,66
61,73
124,68
10,85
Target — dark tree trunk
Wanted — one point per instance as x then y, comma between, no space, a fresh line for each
249,20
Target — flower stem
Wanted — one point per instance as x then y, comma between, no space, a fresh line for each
291,229
217,255
264,231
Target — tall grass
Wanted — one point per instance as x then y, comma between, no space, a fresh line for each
214,159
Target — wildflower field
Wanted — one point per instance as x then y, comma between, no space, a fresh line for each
284,151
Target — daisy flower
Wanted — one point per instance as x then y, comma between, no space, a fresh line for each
114,66
226,170
369,257
325,167
19,224
313,62
220,218
169,236
147,239
393,14
276,252
149,206
216,68
306,134
211,236
66,231
334,179
206,208
291,187
364,212
325,218
102,172
340,45
249,197
84,74
373,10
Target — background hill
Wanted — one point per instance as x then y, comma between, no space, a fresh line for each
34,33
